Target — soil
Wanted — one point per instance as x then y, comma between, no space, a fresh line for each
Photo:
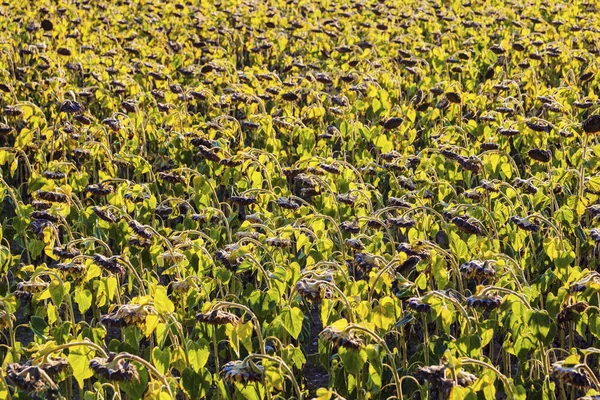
315,376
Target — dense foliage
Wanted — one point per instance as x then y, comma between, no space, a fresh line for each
296,199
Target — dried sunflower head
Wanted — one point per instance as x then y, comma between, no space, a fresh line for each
55,175
105,214
408,264
45,216
595,235
26,377
70,107
488,186
392,155
163,210
54,366
525,224
436,375
341,338
567,313
26,289
210,154
173,257
409,250
99,190
508,132
468,225
287,203
278,242
366,260
128,315
571,376
238,371
171,177
453,97
140,230
112,123
401,222
229,256
243,200
397,202
354,244
110,264
313,290
136,241
471,163
65,252
417,304
181,286
592,124
243,234
119,371
539,126
53,197
350,226
218,317
526,185
347,198
473,194
540,155
486,302
5,319
487,146
331,168
477,269
41,205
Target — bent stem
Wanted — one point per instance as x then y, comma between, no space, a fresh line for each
380,341
283,365
343,297
507,386
86,343
226,304
149,367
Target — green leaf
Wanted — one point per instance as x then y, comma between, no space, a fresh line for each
161,359
565,215
446,317
293,356
83,298
24,138
162,303
384,314
462,393
519,392
244,332
249,392
469,345
384,144
38,326
79,359
353,360
292,319
58,291
110,283
524,345
135,388
541,325
458,246
194,384
198,353
36,247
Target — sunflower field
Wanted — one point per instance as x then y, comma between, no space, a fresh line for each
299,199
